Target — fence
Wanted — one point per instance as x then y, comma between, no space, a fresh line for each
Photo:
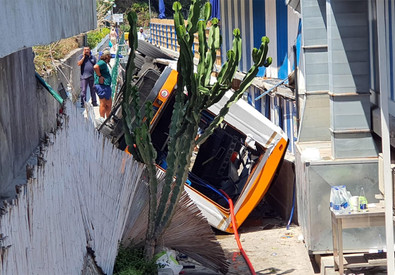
163,34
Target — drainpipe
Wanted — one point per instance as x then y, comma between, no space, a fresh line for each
296,89
385,134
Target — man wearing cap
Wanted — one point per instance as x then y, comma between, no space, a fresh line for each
86,62
103,84
141,35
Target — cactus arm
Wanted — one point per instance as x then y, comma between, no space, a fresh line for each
194,13
206,11
213,44
233,56
260,60
182,174
202,51
175,128
132,18
178,18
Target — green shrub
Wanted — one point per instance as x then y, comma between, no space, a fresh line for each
131,261
94,37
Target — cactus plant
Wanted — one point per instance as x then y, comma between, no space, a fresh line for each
201,94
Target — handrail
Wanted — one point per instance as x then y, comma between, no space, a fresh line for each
114,72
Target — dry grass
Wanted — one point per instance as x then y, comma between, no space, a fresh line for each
188,232
45,56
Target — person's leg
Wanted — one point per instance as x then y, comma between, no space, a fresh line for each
84,84
102,107
93,90
108,106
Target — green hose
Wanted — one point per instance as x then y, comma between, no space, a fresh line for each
49,89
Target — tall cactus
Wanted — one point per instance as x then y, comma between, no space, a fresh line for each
201,94
137,133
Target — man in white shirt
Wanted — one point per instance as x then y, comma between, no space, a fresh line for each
141,35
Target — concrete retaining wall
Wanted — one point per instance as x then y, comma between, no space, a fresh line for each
26,23
27,111
78,196
67,72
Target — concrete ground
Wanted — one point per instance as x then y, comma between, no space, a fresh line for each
272,249
269,245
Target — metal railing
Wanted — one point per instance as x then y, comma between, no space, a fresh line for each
163,34
114,72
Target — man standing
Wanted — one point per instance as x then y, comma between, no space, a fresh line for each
113,38
86,62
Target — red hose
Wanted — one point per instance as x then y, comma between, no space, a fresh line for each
232,215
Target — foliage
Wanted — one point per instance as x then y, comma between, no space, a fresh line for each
201,94
123,6
94,37
185,4
142,11
102,8
124,27
131,261
45,56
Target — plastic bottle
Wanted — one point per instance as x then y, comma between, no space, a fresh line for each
343,197
336,206
69,92
380,247
331,198
363,202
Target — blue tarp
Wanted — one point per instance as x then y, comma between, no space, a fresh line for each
161,9
215,10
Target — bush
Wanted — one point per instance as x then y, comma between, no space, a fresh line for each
94,37
131,261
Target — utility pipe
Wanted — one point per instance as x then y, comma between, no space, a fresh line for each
49,89
296,88
271,89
